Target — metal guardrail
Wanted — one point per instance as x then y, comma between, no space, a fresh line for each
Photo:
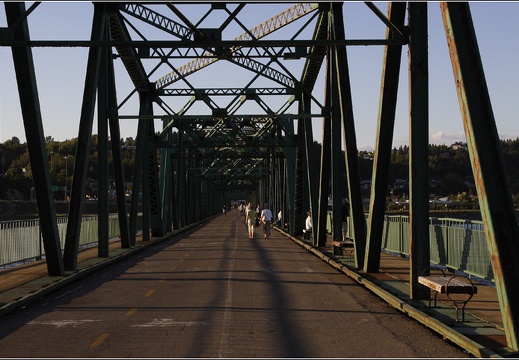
454,243
21,240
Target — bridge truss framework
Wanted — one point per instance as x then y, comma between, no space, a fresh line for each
213,149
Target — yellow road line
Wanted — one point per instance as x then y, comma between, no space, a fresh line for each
100,340
131,312
149,293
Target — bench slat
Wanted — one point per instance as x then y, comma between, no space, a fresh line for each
439,284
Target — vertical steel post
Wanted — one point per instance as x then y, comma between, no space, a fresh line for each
165,183
115,133
324,183
181,181
153,173
310,167
102,150
326,153
137,174
418,148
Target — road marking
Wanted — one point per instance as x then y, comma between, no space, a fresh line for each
149,293
61,323
100,340
168,322
131,312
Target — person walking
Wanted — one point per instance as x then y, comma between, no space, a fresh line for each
258,216
266,218
250,217
308,226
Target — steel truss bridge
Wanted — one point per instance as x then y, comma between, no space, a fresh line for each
212,148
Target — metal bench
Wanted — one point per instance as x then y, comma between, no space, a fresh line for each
450,285
338,247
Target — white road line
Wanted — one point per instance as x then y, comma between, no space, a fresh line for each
168,323
61,323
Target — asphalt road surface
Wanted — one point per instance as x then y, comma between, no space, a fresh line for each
212,294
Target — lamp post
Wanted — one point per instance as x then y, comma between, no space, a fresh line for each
66,176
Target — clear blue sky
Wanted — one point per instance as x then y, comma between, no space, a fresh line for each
60,71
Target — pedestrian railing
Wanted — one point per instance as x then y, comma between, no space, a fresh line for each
454,243
21,240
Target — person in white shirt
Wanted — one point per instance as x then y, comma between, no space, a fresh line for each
308,225
266,218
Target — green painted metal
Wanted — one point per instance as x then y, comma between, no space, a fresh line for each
156,227
325,172
77,193
113,123
166,178
102,150
137,174
213,149
492,184
27,89
418,148
384,140
311,169
344,115
337,157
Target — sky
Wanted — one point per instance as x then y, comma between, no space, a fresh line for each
60,71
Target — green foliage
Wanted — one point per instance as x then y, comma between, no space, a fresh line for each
15,164
449,166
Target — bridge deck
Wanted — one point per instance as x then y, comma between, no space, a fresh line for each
256,287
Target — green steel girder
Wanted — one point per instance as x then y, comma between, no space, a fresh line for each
384,142
345,103
226,91
32,118
239,124
268,46
317,53
77,194
492,184
128,54
258,32
218,153
158,20
227,153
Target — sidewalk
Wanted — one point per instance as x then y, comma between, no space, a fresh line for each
481,334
